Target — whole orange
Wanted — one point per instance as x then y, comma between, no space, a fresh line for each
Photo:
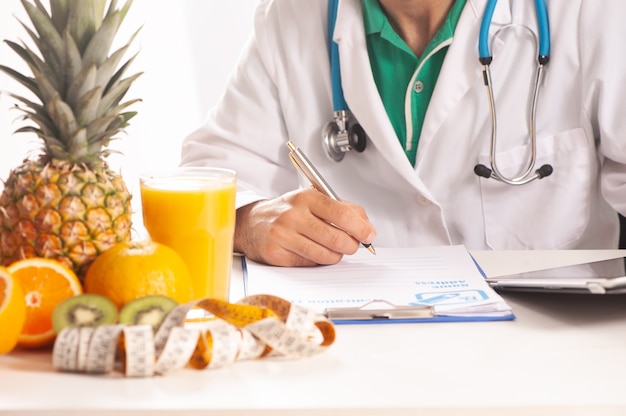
12,310
130,270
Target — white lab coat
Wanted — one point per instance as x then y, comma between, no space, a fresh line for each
281,91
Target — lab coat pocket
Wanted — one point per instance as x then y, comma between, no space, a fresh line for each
549,213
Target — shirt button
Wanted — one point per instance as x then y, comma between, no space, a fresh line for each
419,86
422,200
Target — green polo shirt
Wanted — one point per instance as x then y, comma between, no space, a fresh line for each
394,67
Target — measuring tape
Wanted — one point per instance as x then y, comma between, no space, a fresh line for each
255,327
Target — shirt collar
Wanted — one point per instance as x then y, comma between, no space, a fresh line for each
373,16
376,21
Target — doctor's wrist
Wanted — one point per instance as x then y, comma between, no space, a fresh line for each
244,238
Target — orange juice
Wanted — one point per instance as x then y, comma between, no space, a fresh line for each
192,210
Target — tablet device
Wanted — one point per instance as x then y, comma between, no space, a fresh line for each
599,277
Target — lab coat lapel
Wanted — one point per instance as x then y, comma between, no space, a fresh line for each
454,81
360,89
461,68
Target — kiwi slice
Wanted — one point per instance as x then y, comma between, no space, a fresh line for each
147,310
83,310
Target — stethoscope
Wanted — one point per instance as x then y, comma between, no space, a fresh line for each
485,59
344,133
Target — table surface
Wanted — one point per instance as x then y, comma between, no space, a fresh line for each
563,354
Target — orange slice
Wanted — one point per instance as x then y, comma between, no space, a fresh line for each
45,282
12,311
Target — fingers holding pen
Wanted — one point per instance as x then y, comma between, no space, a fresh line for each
348,221
301,228
326,229
304,166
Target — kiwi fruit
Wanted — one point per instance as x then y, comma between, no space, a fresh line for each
147,310
83,310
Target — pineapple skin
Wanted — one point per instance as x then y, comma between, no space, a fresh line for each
63,210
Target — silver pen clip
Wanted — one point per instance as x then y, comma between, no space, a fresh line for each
369,311
308,170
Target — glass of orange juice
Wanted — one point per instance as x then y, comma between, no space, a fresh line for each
192,210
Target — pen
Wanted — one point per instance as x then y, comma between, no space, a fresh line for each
305,168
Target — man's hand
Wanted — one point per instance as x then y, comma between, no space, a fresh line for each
301,228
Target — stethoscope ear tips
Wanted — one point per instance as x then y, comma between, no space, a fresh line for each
544,171
482,170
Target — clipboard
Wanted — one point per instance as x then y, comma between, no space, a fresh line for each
600,277
379,309
401,290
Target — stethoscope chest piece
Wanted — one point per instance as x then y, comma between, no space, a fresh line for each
342,135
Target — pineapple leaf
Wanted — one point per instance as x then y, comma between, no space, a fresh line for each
127,116
46,88
52,66
119,108
115,94
116,126
100,44
72,60
29,129
59,11
30,104
118,75
107,68
28,82
108,152
105,153
99,125
55,149
49,41
51,141
84,19
36,64
30,58
77,146
48,138
38,114
85,81
87,106
98,146
63,118
107,125
121,122
113,6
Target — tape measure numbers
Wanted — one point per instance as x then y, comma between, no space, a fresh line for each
255,327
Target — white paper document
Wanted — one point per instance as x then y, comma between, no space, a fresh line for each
443,278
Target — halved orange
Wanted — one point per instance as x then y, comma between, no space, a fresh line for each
12,311
45,282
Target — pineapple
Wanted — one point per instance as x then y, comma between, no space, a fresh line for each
66,203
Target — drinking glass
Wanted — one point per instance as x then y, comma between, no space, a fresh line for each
192,210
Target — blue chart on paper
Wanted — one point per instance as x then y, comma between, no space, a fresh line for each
450,298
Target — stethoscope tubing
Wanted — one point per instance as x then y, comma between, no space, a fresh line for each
485,59
544,30
339,102
542,22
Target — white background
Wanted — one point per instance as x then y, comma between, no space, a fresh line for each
187,50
